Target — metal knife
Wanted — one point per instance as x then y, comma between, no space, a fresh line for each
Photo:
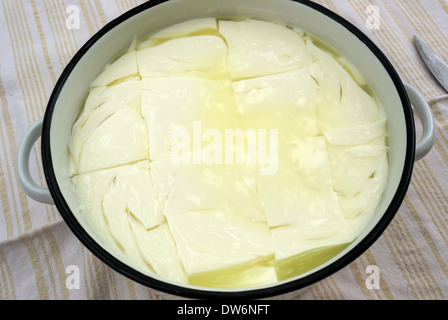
434,63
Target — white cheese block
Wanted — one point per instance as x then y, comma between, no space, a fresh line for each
171,106
158,250
117,96
163,174
199,56
302,208
297,264
101,104
123,68
186,28
113,203
121,138
217,245
212,187
285,101
183,29
320,54
90,189
357,135
124,197
301,191
292,240
259,48
343,103
359,177
352,70
317,53
107,198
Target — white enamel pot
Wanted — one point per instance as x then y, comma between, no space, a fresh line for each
111,41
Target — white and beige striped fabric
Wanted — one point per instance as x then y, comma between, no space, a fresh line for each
36,246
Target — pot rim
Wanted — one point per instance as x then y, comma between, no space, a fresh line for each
270,291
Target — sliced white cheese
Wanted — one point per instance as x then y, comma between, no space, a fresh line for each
107,195
357,135
359,177
101,104
183,29
186,28
123,68
172,106
320,54
158,249
254,273
260,48
316,52
124,197
352,70
343,103
285,101
198,56
295,264
217,245
119,95
212,187
302,184
90,189
120,139
163,174
204,218
293,240
302,207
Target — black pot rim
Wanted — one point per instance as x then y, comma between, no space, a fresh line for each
188,292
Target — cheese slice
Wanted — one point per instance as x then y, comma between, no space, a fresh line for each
212,187
123,197
120,139
308,226
186,28
293,240
343,103
183,29
301,191
296,264
358,135
124,68
224,248
90,189
158,250
171,106
163,174
198,56
260,48
284,101
117,96
316,52
108,196
320,54
101,104
132,224
359,177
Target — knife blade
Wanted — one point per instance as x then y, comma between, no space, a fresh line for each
435,64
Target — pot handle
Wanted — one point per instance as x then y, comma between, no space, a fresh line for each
429,129
27,183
